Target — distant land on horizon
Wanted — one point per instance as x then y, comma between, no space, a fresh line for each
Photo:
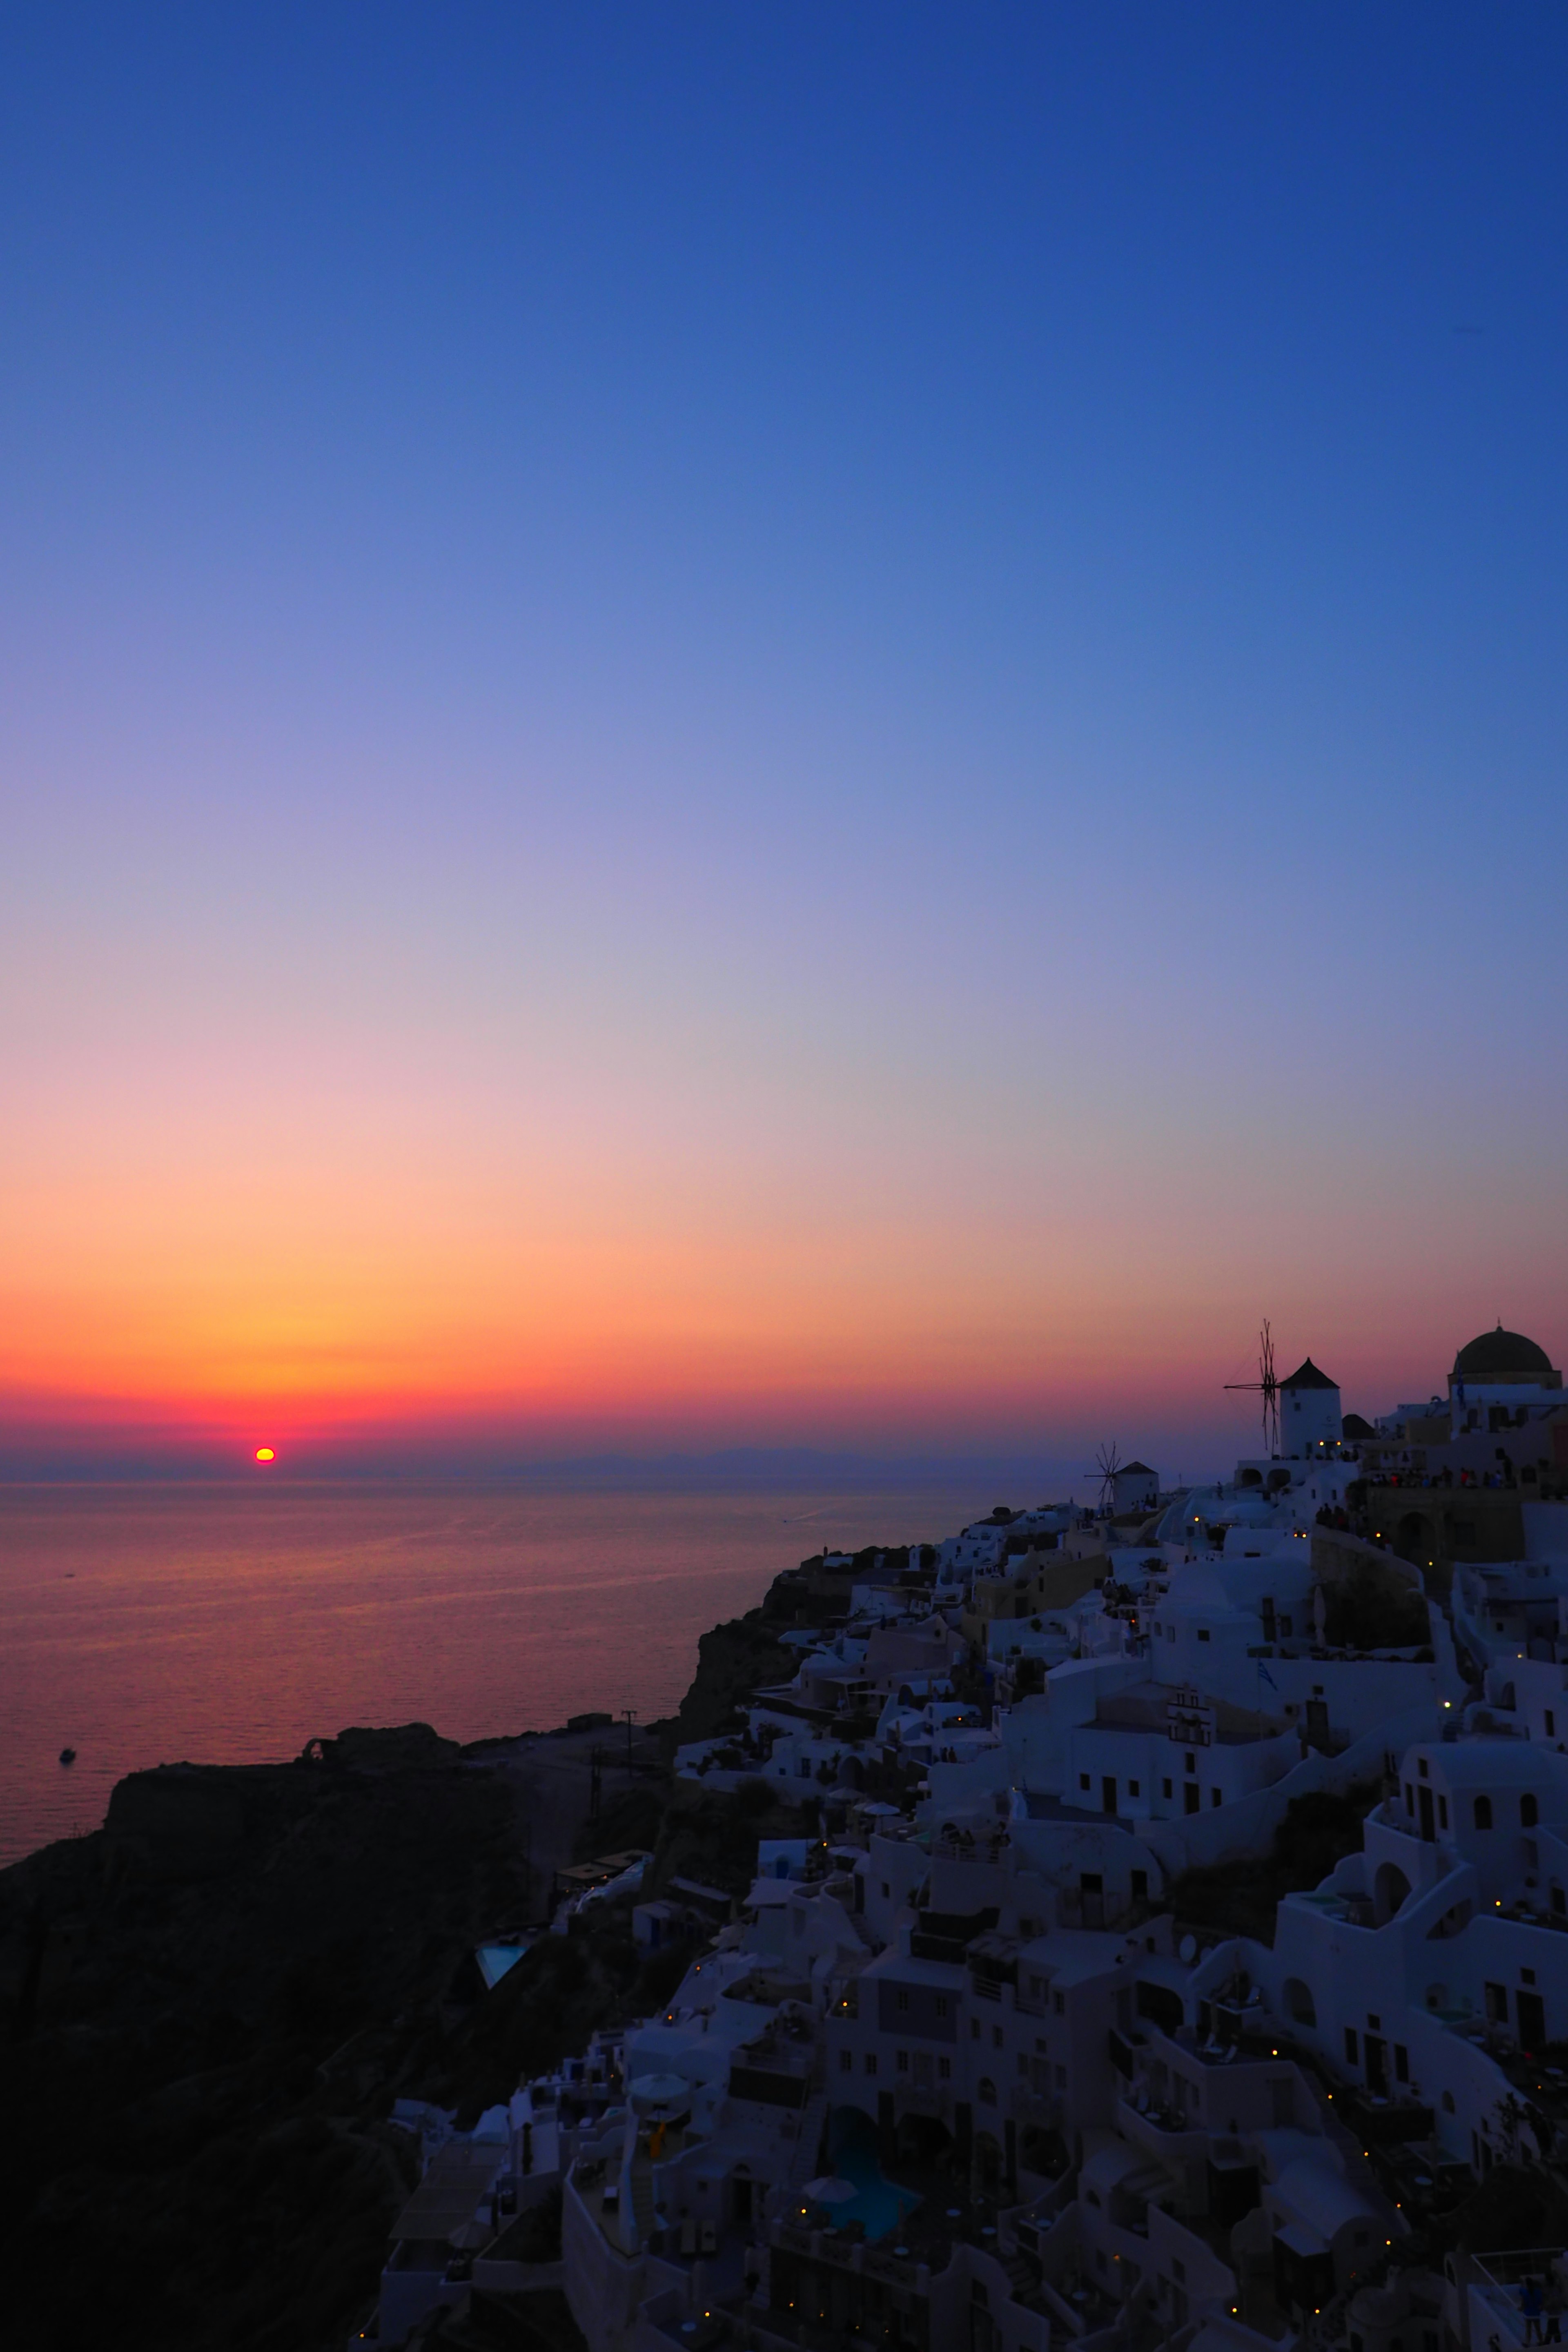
1013,1477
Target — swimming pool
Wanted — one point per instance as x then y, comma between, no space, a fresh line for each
878,2205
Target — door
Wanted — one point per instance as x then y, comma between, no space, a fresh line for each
1091,1898
1191,1793
1532,2020
923,2070
1425,1796
1317,1723
1376,2066
1108,1795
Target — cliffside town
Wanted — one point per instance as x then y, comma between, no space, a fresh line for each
1113,1928
1171,1949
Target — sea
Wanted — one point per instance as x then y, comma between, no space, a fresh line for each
228,1623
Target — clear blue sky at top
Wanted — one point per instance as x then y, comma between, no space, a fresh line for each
1208,358
830,494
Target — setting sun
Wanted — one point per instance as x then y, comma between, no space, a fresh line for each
265,1454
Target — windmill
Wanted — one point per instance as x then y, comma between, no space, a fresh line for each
1267,1386
1108,1462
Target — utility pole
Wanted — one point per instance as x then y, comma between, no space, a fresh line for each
631,1715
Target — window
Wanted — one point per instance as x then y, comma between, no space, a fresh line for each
1170,1632
942,2004
1529,1811
945,2069
903,2062
1022,2063
1060,2001
1203,1633
1191,1762
974,2029
1164,1788
887,1892
1213,1796
1133,1788
847,2062
1401,2062
1527,1975
903,2000
1375,2020
1483,1812
997,2037
1442,1813
987,2091
1061,2078
1140,1880
871,2062
1349,2046
1409,1798
1421,1767
1550,1725
1497,2003
1083,1779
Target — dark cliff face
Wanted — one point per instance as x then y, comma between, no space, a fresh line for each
206,2009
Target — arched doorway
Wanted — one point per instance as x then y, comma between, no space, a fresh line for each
1389,1889
987,2162
1300,2006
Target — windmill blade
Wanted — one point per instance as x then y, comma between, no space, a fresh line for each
1271,1388
1266,1386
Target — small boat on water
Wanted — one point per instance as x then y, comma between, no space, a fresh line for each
68,1755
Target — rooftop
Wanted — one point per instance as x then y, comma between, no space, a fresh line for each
1505,1356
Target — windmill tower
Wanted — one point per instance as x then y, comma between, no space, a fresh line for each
1267,1386
1108,1463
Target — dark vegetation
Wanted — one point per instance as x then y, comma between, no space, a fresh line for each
1239,1898
1374,1609
1516,2205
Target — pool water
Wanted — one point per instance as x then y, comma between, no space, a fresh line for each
878,2205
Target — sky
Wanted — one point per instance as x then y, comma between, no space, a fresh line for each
773,727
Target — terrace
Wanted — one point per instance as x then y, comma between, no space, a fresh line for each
1501,2284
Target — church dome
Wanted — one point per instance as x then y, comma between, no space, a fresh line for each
1503,1356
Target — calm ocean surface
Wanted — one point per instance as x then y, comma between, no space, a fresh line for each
230,1625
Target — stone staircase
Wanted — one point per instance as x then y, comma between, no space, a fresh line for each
642,2201
1023,2275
